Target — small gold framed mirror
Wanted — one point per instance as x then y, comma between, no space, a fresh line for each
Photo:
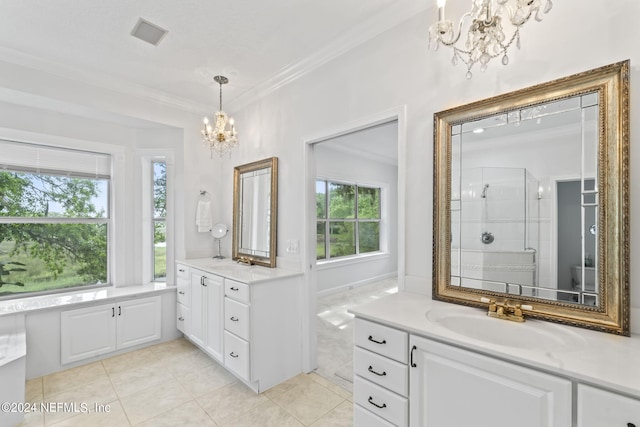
531,200
255,212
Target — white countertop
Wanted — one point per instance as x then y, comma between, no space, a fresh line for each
42,302
239,272
600,359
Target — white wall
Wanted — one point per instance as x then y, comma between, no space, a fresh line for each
342,166
388,71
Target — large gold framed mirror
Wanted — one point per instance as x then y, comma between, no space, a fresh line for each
255,212
531,201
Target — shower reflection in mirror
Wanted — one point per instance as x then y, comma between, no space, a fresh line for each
524,201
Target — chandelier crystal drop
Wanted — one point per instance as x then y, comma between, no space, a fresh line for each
220,137
486,35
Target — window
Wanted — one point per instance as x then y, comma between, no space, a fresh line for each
159,220
348,218
54,218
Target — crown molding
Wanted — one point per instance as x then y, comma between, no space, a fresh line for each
102,81
358,35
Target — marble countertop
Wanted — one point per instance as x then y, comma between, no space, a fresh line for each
239,272
79,296
596,358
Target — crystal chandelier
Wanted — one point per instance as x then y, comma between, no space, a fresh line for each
218,138
486,38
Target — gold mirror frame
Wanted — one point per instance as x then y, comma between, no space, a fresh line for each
236,254
611,82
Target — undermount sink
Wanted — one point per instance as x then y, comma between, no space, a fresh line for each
530,335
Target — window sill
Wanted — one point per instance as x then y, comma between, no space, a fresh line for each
357,259
51,301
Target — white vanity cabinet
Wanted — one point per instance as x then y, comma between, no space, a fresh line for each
101,329
183,298
598,408
206,321
494,393
247,318
381,382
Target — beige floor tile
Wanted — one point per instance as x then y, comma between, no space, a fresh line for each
345,394
127,361
109,415
65,380
32,419
173,348
34,391
230,401
139,378
285,386
97,392
267,414
341,416
206,380
308,401
190,414
155,400
181,364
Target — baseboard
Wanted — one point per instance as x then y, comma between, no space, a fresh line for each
357,284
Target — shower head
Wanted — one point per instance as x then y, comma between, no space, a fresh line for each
484,191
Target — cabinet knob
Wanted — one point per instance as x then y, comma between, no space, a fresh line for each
234,319
181,319
181,292
181,270
234,289
232,354
631,425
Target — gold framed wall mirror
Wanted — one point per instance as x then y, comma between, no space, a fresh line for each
255,212
531,200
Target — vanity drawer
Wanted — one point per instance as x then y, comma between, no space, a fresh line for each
597,408
381,339
183,319
364,418
380,401
183,295
236,290
381,370
236,318
182,272
236,355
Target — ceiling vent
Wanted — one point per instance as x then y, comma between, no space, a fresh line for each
148,32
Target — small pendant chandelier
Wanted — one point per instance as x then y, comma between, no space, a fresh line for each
219,138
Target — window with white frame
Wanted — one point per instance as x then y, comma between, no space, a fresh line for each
348,219
159,170
54,218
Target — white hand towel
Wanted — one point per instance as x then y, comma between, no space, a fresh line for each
203,216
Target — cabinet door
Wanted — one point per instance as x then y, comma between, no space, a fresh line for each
87,332
138,321
451,387
598,408
198,305
214,297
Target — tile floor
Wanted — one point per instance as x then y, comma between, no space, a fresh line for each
175,384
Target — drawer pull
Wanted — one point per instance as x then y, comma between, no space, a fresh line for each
413,364
234,289
232,354
233,319
181,270
377,342
181,292
631,425
376,373
384,405
181,319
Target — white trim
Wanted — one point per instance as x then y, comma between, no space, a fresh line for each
347,260
357,284
310,290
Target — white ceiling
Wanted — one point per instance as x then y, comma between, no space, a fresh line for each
259,45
